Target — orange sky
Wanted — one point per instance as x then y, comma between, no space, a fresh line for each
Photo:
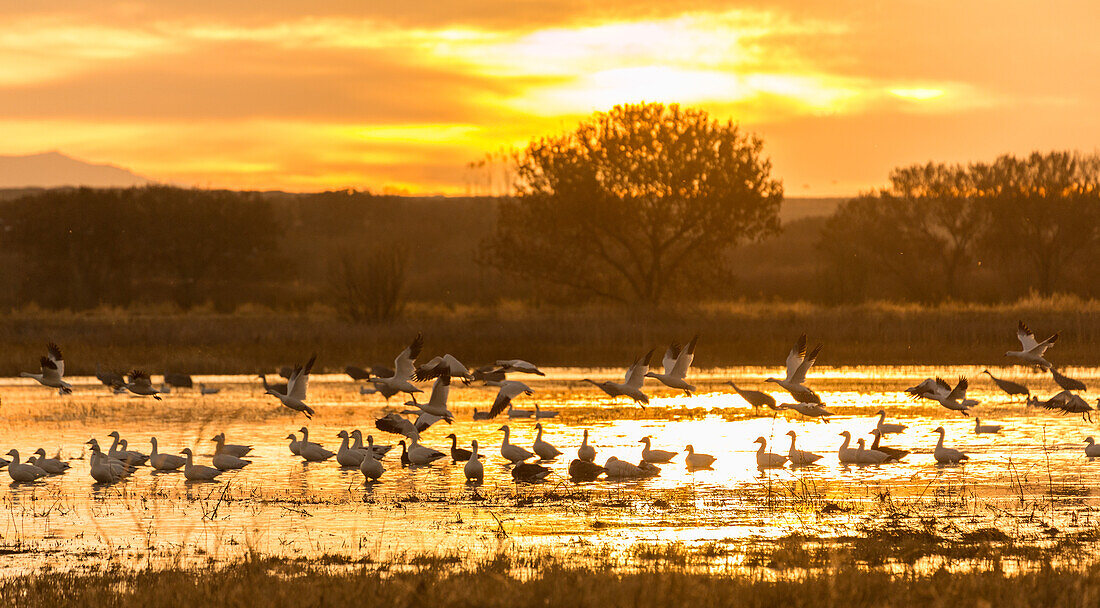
309,95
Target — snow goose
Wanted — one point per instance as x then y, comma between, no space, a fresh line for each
809,410
893,453
197,472
371,467
1065,382
544,450
798,364
756,399
866,456
313,452
543,414
220,446
111,379
947,455
52,372
418,454
295,397
529,472
676,363
1008,386
620,469
583,470
512,453
586,452
205,390
768,460
295,444
846,454
164,462
379,450
105,470
488,373
632,385
119,452
888,428
278,387
53,466
800,458
404,366
227,462
953,399
21,472
446,364
695,460
436,405
655,456
458,454
140,384
1092,450
358,373
114,462
980,429
473,469
517,366
515,412
1032,351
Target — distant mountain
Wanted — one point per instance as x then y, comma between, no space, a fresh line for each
54,169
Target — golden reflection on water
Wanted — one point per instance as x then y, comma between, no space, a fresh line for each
282,506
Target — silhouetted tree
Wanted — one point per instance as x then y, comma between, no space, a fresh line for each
635,202
371,287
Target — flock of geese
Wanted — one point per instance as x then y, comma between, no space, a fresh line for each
119,462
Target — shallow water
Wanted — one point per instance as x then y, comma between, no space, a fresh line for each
282,506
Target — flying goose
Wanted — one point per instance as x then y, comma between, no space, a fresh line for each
584,470
655,456
371,467
197,472
512,453
164,462
21,472
800,458
1010,387
1092,450
586,452
756,399
488,373
53,466
798,364
53,371
768,460
893,453
295,397
980,428
473,469
953,399
509,389
888,428
1065,382
809,410
517,366
404,366
446,364
677,362
947,455
436,405
694,460
380,388
111,379
544,450
632,386
140,384
357,373
1032,351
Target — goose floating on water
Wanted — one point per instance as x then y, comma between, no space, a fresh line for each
676,363
541,413
869,456
893,453
197,472
544,450
945,455
52,372
227,462
371,467
529,472
800,458
1032,351
164,462
21,472
1092,450
512,453
655,456
236,450
888,428
768,460
418,454
473,469
980,429
458,454
694,460
586,452
585,470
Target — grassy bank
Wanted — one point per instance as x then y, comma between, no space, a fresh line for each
500,582
732,334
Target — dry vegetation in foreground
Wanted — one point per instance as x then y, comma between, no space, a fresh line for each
733,334
502,581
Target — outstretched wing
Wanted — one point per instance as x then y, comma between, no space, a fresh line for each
635,376
440,391
299,380
508,390
55,355
405,363
959,392
683,362
669,360
1027,338
795,357
808,362
1041,348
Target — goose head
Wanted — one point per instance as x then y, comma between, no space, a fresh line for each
218,438
303,430
761,441
986,371
343,435
40,452
113,434
292,436
370,440
690,449
880,413
186,451
874,432
846,434
503,428
14,453
861,443
1090,440
538,426
791,434
473,445
452,437
645,440
940,430
357,433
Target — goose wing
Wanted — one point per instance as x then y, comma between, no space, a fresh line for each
405,364
54,354
683,362
795,357
140,379
959,392
440,391
808,362
1041,348
635,376
669,360
299,380
509,389
49,369
1026,337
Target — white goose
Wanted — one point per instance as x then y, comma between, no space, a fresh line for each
105,470
809,410
197,472
800,458
53,466
436,405
632,386
473,469
798,364
224,461
541,413
846,454
544,450
52,370
220,446
953,399
868,456
313,452
512,453
371,467
517,366
295,397
622,469
118,451
1092,449
346,456
447,364
655,456
768,460
379,451
981,429
947,455
119,466
164,462
586,452
295,444
140,384
677,362
694,460
404,366
1032,351
419,454
22,472
888,428
509,389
